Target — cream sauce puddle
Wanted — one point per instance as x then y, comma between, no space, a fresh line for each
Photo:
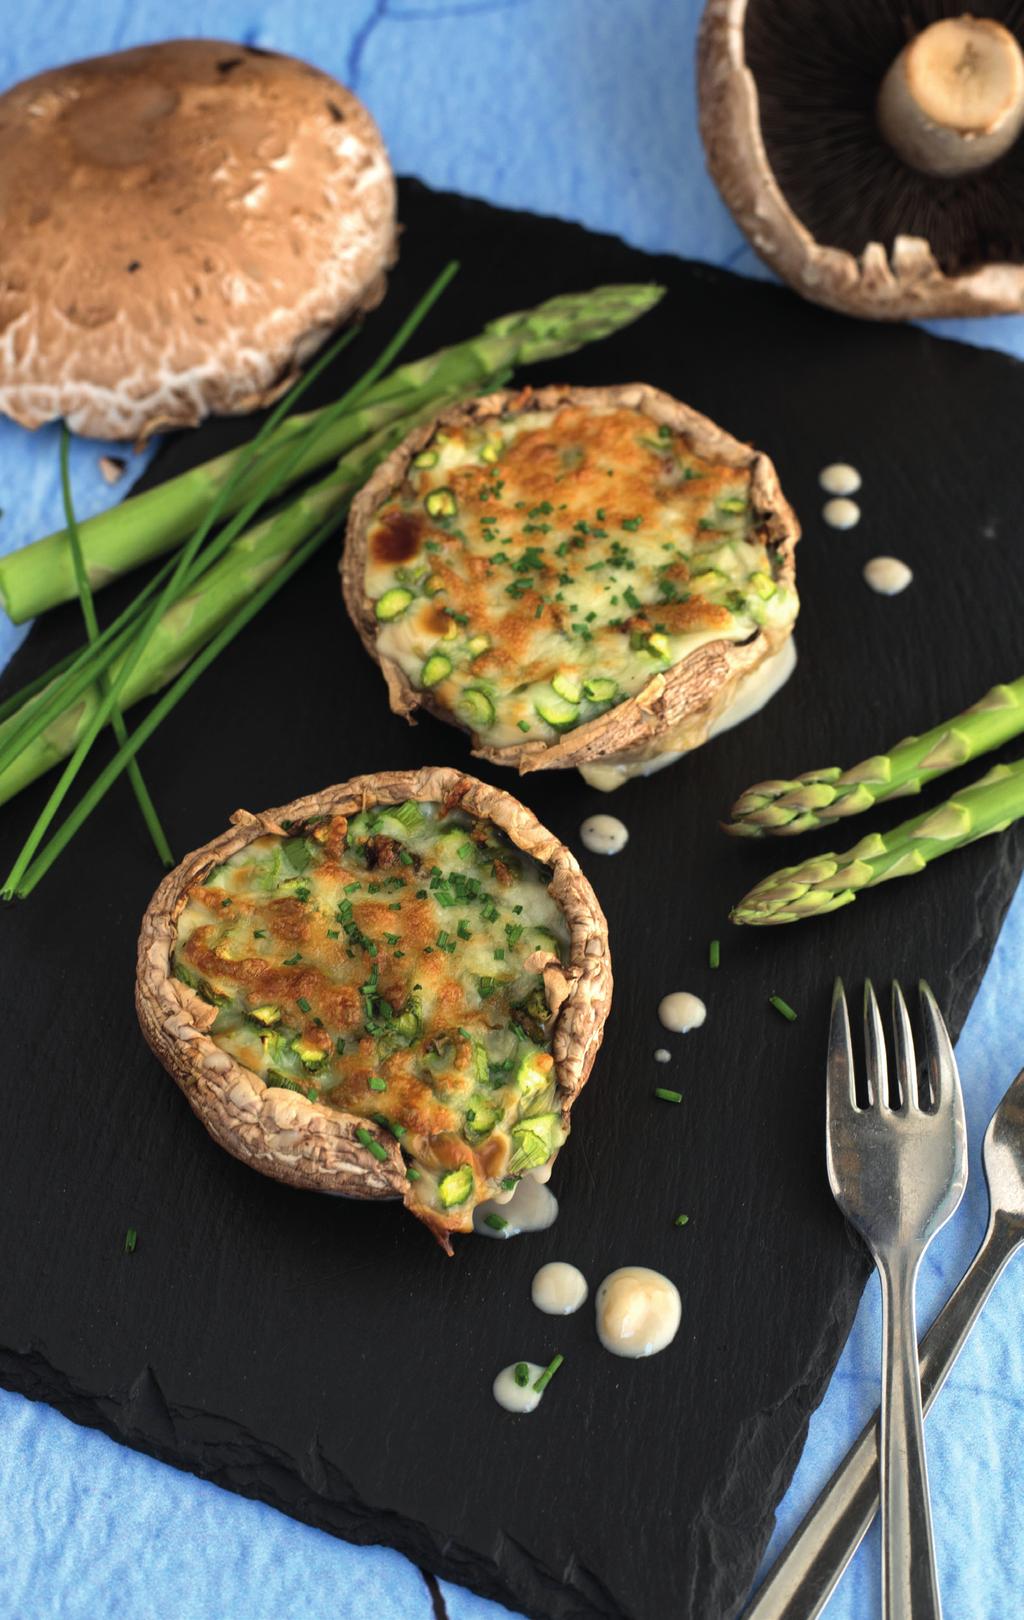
681,1012
887,575
604,835
515,1397
638,1312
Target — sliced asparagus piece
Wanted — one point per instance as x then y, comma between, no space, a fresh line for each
145,526
779,809
827,882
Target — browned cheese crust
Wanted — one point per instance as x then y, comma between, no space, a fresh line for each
181,226
674,709
310,1144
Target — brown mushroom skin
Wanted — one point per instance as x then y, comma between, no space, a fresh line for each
210,213
906,284
312,1145
675,709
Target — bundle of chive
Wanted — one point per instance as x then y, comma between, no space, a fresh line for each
225,568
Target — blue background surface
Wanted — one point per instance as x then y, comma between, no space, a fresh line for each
582,108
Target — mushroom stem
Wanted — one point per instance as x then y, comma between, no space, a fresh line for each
953,100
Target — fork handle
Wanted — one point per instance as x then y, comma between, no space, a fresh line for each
807,1572
910,1587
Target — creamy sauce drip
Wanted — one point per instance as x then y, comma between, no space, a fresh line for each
559,1289
518,1398
638,1312
839,478
681,1011
841,513
663,1055
530,1207
604,835
887,575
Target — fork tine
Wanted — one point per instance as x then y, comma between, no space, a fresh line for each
903,1043
874,1049
841,1095
942,1070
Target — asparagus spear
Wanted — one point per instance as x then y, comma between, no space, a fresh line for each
147,525
189,623
778,809
827,882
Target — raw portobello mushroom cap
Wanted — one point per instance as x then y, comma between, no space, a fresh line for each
539,680
275,1127
871,151
181,227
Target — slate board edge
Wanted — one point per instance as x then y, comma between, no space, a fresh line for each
141,1418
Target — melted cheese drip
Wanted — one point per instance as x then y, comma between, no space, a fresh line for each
532,1207
887,575
559,1289
681,1012
638,1312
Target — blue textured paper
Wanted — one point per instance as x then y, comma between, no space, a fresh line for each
583,108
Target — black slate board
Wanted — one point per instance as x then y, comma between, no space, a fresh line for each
326,1357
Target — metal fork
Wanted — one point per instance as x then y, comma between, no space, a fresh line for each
898,1168
806,1574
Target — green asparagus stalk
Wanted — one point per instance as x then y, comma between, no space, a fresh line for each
827,882
146,526
189,623
778,809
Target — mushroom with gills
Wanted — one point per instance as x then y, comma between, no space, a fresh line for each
871,151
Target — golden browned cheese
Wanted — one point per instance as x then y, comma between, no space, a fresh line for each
391,966
535,569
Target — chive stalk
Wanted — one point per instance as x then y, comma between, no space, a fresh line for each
541,1384
668,1096
782,1007
92,630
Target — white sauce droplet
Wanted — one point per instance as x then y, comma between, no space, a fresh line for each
839,478
663,1055
517,1397
604,835
841,513
638,1312
887,575
532,1207
682,1012
559,1289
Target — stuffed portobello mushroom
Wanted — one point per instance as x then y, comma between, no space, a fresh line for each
395,987
576,576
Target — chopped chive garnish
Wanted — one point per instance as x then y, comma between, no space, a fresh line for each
131,1237
412,1173
668,1096
497,1223
378,1083
782,1007
524,725
300,1001
546,1376
350,888
464,931
682,1220
396,1129
714,953
522,1374
259,933
290,961
510,1183
332,933
374,1147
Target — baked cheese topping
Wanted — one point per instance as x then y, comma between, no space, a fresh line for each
536,569
390,965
